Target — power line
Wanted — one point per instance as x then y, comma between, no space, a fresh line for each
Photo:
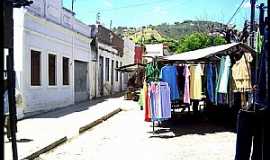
131,6
237,10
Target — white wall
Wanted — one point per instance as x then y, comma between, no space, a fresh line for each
129,51
112,56
153,50
18,16
35,32
128,58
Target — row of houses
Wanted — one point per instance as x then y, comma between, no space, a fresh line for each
60,60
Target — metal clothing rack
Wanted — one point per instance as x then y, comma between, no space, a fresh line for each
154,62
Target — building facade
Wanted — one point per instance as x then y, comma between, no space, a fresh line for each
111,52
53,58
60,61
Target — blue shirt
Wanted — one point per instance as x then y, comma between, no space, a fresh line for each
169,74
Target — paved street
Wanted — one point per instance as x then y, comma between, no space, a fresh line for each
127,136
40,131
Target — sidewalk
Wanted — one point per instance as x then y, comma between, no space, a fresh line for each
42,132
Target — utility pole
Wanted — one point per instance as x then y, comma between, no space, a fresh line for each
72,5
2,119
8,44
268,57
110,24
252,23
98,18
261,18
9,34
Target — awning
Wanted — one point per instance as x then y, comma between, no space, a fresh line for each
130,67
209,53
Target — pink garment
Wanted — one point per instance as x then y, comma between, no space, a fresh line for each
186,74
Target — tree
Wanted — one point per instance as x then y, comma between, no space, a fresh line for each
198,41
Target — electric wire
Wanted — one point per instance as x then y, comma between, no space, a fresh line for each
237,10
131,6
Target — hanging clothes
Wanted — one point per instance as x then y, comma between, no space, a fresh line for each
152,73
196,82
149,72
169,74
224,73
141,97
181,79
160,103
210,85
261,91
241,74
147,116
164,93
259,42
186,74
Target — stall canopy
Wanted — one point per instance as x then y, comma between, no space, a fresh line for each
130,67
209,54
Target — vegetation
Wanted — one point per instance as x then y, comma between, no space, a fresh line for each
171,31
198,41
179,37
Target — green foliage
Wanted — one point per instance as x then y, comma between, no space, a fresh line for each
179,37
171,31
197,41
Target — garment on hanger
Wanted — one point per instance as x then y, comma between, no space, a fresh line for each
169,74
160,103
259,43
210,85
241,74
261,98
152,72
225,69
196,82
186,97
165,101
147,116
181,79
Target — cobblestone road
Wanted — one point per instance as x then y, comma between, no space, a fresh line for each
127,136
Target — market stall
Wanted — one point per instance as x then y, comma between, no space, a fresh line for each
134,82
216,75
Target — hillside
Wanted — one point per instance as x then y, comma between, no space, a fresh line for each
175,31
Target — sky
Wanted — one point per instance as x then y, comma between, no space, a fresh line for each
136,13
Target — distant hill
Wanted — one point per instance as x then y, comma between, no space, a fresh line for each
175,31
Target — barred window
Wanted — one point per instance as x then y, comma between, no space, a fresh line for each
52,69
35,68
65,71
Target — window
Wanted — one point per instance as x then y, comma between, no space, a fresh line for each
121,74
35,68
52,69
116,78
112,72
107,69
65,71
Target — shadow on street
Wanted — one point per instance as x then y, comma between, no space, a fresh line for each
187,124
78,107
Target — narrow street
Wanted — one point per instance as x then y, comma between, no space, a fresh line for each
79,80
127,136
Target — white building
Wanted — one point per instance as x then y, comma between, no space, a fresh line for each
111,53
128,58
52,57
153,50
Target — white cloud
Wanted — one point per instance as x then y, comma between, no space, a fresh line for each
159,10
108,3
246,5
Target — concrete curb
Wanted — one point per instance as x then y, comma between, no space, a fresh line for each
98,121
46,149
65,139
